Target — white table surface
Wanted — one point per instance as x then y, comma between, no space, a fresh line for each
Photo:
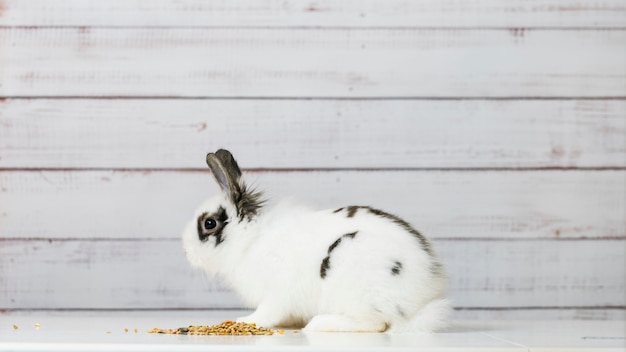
105,332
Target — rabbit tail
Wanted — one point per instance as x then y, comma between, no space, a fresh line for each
432,317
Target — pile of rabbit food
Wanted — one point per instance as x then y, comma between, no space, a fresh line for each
227,327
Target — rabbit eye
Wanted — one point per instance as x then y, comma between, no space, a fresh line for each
210,224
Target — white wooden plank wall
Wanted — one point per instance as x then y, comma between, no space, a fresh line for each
498,128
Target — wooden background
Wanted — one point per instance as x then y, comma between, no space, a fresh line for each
498,128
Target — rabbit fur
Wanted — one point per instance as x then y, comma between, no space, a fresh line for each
352,268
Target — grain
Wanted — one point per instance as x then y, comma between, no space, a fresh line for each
15,327
227,327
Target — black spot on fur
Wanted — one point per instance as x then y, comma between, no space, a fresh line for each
324,267
352,210
351,235
405,225
334,245
201,235
218,239
326,261
396,268
223,218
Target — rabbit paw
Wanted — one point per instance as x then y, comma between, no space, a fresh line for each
260,320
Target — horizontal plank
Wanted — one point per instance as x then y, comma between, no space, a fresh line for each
365,13
535,274
441,204
93,133
228,62
86,274
459,315
154,274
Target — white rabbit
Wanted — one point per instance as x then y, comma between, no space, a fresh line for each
353,268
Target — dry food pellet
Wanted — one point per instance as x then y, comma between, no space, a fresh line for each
227,327
125,329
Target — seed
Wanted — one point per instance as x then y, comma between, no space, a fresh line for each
15,327
37,325
136,330
227,327
125,329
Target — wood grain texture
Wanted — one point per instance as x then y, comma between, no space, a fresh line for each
291,13
149,274
162,134
231,62
441,204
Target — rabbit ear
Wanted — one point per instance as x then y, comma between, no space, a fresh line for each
228,176
225,170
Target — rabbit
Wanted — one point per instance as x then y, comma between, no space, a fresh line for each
348,269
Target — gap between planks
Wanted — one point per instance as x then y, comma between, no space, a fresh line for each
320,169
433,239
324,27
183,309
320,98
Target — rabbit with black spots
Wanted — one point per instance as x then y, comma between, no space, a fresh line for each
353,268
